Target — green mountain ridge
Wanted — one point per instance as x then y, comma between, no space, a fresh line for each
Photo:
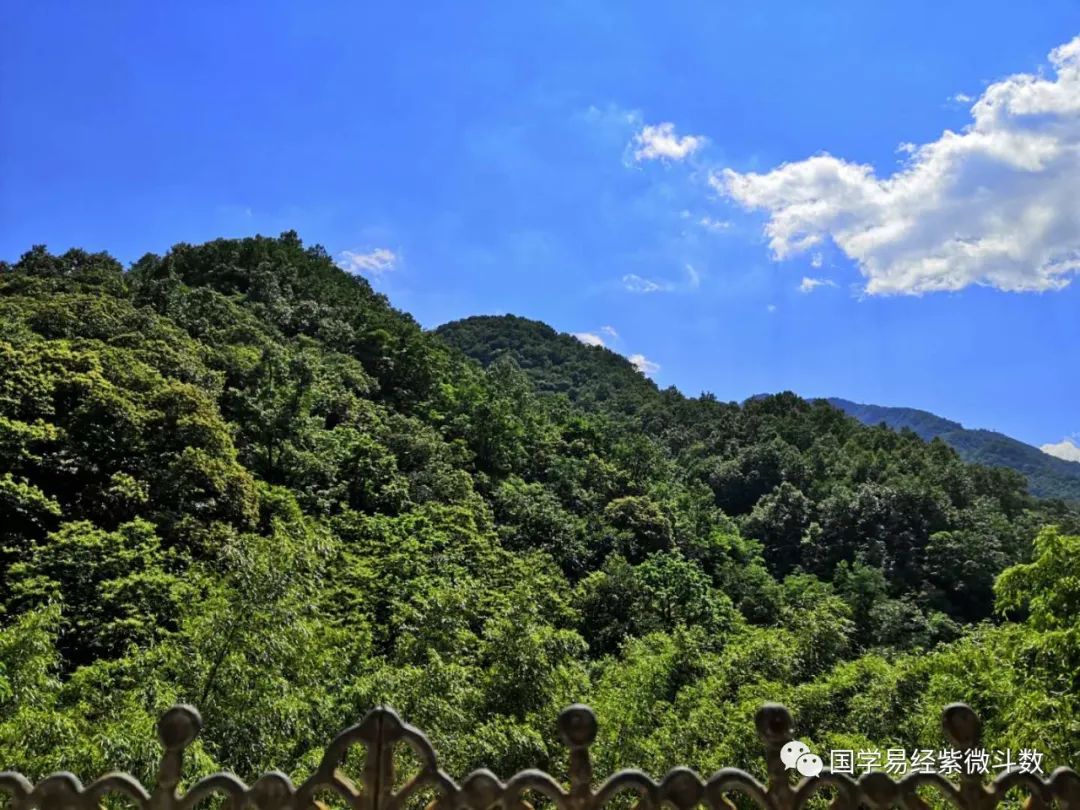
1048,477
559,363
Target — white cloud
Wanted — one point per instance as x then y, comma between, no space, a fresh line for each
376,262
632,282
963,98
705,221
693,277
994,204
644,364
612,114
639,361
808,285
589,338
714,225
661,142
817,260
1066,449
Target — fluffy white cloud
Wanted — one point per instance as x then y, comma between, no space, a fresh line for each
609,331
644,364
808,285
660,142
1066,449
589,338
632,282
994,204
376,262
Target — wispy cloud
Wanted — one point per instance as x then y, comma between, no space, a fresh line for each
808,285
693,277
992,205
589,338
609,331
1066,449
634,283
714,225
770,308
374,262
659,142
644,364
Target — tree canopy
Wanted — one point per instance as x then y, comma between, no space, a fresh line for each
234,475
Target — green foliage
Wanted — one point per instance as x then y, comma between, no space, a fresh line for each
114,588
1047,476
235,476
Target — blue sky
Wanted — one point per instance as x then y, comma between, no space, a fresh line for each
645,167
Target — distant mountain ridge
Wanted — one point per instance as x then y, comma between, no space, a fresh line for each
597,377
1049,477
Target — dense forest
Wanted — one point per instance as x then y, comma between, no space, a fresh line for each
1047,476
234,475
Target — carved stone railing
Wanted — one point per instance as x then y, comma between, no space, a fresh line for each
681,788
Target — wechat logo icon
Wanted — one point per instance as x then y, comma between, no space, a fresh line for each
795,755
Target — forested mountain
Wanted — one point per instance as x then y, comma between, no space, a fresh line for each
1048,477
234,475
593,377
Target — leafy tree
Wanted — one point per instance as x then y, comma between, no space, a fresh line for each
779,520
636,527
115,589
